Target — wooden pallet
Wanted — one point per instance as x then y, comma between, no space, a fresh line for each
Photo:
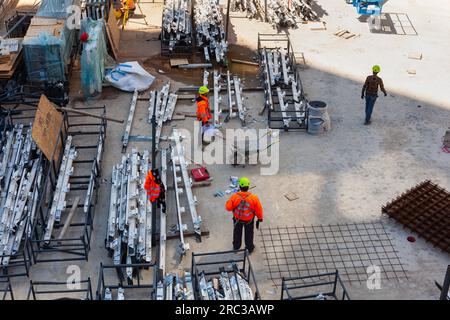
345,34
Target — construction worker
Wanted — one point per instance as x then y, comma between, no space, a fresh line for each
245,206
370,91
203,110
152,187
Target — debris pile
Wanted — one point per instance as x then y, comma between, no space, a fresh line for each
210,30
176,24
21,178
129,231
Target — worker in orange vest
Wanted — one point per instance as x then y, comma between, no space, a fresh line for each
153,188
245,206
203,110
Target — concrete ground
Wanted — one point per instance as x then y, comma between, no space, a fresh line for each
346,175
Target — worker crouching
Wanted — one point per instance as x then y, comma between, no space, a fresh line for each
156,191
245,207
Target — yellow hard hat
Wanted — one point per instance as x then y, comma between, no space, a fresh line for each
244,182
203,90
376,68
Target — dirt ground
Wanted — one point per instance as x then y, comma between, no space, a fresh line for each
346,175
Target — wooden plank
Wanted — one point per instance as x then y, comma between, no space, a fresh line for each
178,61
46,128
415,55
113,31
339,31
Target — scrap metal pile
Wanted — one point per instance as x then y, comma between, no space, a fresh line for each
175,287
280,13
21,178
210,30
227,286
129,231
176,24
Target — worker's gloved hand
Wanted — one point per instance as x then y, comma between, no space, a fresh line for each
385,94
257,223
362,96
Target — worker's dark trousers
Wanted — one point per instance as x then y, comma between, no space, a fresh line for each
237,234
370,102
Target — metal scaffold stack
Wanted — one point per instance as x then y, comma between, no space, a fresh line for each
175,287
129,233
165,107
176,36
280,13
62,188
210,30
182,185
287,106
21,179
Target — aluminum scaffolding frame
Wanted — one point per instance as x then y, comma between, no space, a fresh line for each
179,159
163,220
81,290
323,286
126,135
233,271
110,289
284,97
74,244
129,233
176,31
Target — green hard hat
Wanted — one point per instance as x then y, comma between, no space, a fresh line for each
376,68
203,90
244,182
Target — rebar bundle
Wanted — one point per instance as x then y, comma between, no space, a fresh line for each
21,178
129,232
210,30
176,23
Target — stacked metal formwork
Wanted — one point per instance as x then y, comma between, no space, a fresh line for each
61,185
183,188
326,286
96,9
21,175
129,233
210,32
175,287
252,8
284,97
176,34
56,290
141,286
226,275
289,13
166,102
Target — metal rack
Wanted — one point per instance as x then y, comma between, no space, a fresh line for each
212,264
177,41
6,292
82,290
284,96
109,289
83,184
320,287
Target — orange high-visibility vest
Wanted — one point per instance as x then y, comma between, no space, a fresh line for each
153,189
245,206
203,110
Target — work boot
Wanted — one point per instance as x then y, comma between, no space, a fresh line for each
367,123
250,251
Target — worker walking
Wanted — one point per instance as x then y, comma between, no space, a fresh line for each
203,110
370,92
152,187
245,207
